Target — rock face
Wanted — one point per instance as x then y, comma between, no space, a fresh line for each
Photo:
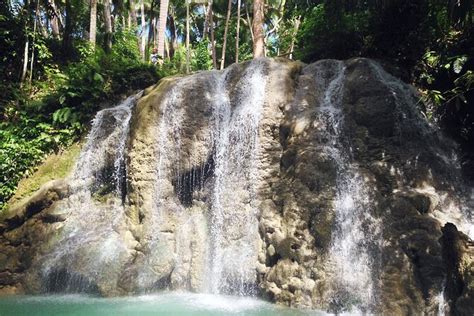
317,186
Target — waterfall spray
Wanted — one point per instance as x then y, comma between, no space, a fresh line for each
355,230
99,170
233,226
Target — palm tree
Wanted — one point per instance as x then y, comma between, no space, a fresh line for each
188,57
229,7
93,21
108,25
257,27
209,31
143,27
162,26
237,35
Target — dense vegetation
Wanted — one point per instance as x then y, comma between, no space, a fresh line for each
62,60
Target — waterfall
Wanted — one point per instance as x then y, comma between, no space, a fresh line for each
355,230
106,141
440,300
169,142
168,166
99,171
233,227
412,125
228,171
469,210
231,165
268,178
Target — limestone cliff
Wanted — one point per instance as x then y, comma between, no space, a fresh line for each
318,186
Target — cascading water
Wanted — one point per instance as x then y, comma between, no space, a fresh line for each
232,215
455,209
440,300
411,124
468,208
355,231
169,165
233,227
106,140
267,178
100,170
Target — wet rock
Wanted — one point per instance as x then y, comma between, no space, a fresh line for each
163,237
458,253
42,199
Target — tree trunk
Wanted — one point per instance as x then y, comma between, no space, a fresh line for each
43,27
54,26
162,27
68,29
151,30
25,60
143,40
205,29
108,26
249,22
26,54
133,14
188,57
55,19
155,32
93,22
209,31
151,36
173,34
35,22
257,26
229,7
167,49
213,40
238,33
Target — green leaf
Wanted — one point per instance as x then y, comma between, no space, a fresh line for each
459,63
62,98
98,77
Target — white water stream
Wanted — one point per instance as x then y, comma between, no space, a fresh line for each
233,227
99,170
231,218
355,231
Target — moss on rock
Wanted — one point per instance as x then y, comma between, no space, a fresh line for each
55,166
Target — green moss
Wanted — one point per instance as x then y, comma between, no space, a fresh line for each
56,166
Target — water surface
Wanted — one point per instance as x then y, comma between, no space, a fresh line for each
157,304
